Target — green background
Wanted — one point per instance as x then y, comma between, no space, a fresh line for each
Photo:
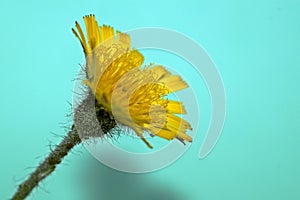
255,45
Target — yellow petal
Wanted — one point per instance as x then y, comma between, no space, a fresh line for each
175,107
174,83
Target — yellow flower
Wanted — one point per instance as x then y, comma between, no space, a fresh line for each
134,96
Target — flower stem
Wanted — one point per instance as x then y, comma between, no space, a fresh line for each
48,165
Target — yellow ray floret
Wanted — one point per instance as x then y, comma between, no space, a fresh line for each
135,96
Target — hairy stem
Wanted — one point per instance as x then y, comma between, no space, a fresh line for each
48,165
91,121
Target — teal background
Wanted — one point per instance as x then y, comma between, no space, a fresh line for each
255,45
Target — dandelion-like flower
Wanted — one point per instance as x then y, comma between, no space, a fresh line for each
133,95
123,91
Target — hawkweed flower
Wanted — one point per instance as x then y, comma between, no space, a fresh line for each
122,91
133,95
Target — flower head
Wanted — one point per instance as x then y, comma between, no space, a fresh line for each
134,96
